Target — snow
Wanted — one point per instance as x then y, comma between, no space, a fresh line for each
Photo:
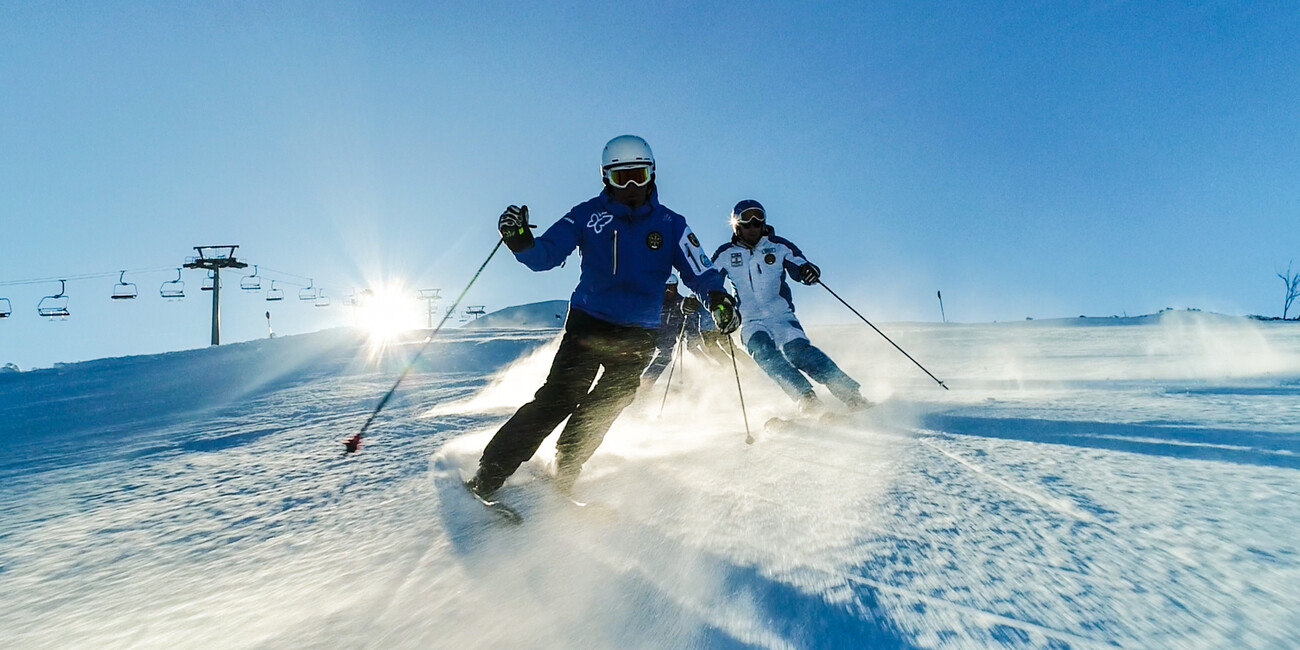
1085,483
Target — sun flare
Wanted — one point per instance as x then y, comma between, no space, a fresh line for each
384,312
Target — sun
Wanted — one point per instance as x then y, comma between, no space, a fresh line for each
386,311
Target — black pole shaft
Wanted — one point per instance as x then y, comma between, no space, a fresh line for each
891,342
677,350
749,437
355,441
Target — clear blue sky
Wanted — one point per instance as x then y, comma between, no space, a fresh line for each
1029,159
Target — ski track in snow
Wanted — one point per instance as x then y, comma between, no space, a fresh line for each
1080,487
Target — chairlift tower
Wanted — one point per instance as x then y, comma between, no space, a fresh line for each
215,258
431,296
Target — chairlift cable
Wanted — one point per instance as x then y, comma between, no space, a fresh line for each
84,276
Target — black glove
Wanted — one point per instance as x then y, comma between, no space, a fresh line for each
809,273
690,305
725,314
515,229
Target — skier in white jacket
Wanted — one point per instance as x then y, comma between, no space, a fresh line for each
757,261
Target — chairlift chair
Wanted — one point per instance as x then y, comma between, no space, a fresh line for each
55,306
174,289
251,282
124,290
6,308
310,292
273,294
322,300
209,282
475,311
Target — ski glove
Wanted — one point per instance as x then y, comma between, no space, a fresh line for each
515,229
725,314
809,273
690,305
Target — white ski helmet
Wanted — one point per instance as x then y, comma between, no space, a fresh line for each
626,151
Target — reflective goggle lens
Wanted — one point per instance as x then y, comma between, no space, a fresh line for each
625,176
751,216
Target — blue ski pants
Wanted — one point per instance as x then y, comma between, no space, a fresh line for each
784,366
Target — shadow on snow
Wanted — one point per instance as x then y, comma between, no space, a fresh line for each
1263,448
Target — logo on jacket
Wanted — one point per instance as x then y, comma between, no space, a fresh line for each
599,220
769,258
737,260
654,240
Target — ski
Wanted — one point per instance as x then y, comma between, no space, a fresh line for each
826,418
505,512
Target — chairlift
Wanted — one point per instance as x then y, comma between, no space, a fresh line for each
6,308
322,300
274,294
174,289
55,306
310,292
251,282
475,311
209,282
124,290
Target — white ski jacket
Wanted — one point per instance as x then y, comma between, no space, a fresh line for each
759,273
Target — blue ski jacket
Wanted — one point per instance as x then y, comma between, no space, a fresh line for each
627,256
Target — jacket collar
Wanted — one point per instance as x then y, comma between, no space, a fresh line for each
768,231
624,213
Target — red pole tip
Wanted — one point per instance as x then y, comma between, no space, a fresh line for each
352,444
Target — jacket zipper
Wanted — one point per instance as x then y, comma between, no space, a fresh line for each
749,264
616,251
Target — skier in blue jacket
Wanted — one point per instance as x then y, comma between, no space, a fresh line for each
757,261
629,244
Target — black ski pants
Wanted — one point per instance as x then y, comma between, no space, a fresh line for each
588,345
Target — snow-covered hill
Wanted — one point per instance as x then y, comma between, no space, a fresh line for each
1080,486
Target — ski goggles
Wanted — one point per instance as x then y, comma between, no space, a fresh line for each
621,177
750,217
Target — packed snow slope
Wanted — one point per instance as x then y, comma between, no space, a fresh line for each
1085,483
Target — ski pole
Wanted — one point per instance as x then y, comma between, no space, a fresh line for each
678,351
749,438
891,342
354,443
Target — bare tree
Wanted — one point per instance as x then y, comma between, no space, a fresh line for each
1292,282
